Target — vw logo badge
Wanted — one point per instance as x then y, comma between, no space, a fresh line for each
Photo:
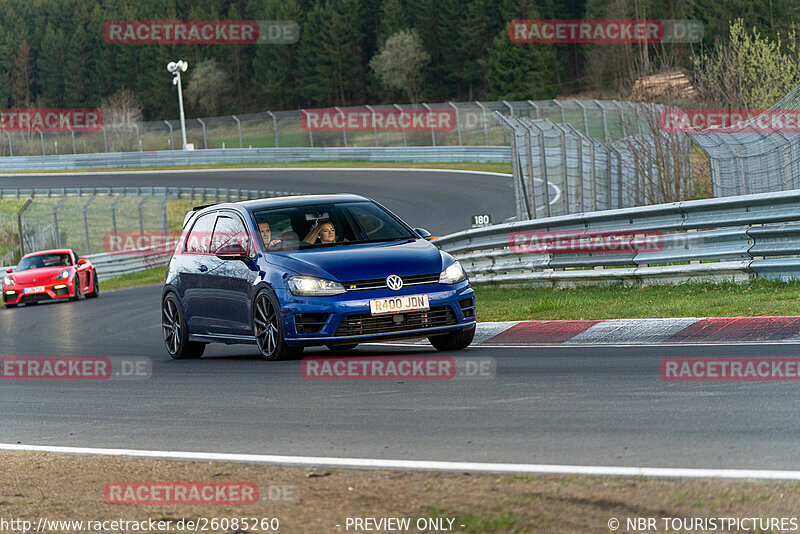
394,282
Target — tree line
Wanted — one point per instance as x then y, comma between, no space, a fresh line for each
53,53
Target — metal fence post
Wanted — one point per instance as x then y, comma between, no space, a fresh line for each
520,191
74,149
171,138
605,120
562,138
585,116
138,139
205,139
274,126
403,128
485,125
19,226
310,136
10,147
458,123
535,107
239,127
86,224
105,139
374,124
141,219
41,136
543,163
621,117
344,131
55,219
433,134
563,111
114,213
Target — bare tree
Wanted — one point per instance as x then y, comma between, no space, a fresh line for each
207,84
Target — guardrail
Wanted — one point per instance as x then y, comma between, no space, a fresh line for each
732,238
189,193
491,154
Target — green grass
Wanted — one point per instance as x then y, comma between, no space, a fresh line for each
759,297
148,276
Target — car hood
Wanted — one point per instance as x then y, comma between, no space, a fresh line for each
364,261
32,276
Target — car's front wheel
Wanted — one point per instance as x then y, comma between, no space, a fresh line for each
458,340
78,295
268,329
176,331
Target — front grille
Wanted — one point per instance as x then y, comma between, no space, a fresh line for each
380,283
36,297
365,324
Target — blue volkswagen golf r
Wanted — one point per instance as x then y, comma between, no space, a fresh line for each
287,273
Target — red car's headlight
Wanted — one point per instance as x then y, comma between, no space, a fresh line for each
7,281
63,275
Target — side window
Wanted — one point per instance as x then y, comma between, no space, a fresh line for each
199,239
229,230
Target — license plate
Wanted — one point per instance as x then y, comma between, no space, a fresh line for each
37,289
399,304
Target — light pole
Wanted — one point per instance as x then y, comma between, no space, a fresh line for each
176,68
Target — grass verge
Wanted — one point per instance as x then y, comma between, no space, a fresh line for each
321,499
758,297
148,276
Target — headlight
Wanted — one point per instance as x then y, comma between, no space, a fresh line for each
63,275
453,274
7,281
309,286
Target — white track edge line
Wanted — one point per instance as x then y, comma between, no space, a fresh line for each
422,464
239,169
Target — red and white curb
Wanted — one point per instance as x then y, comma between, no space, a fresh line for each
684,330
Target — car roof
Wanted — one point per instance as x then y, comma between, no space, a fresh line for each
54,251
276,202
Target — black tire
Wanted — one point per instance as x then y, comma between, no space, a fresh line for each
458,340
341,347
95,287
176,332
78,294
268,329
11,305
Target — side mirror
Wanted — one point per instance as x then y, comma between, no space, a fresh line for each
10,270
82,261
232,251
426,235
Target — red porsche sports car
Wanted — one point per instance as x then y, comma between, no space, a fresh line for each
49,275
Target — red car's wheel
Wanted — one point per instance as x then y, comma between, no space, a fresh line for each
95,287
78,295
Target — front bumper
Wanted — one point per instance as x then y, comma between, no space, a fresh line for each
58,290
346,318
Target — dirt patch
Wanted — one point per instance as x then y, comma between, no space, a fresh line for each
316,500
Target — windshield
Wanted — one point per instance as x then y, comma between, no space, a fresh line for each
44,260
327,225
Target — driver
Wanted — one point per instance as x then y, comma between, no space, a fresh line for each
266,235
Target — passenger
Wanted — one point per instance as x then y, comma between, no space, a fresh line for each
266,235
322,232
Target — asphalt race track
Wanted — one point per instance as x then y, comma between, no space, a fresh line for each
441,202
565,405
601,405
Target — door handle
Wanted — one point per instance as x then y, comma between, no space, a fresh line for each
203,268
